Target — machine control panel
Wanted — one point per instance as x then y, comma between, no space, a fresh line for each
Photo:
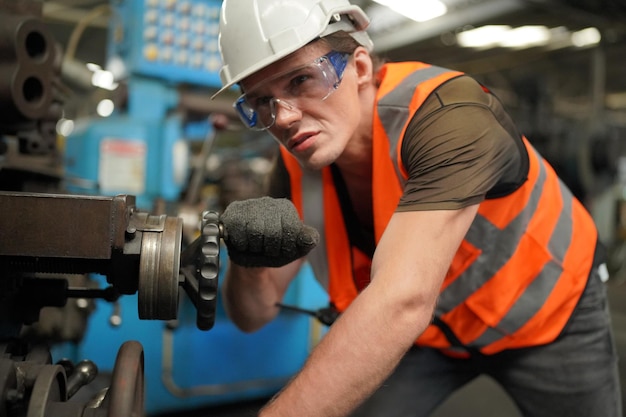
173,40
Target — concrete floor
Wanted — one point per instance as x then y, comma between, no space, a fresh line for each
470,400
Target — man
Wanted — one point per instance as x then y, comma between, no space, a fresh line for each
447,243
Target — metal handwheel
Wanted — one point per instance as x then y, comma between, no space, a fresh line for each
125,397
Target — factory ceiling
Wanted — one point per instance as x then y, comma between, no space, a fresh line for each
434,41
393,34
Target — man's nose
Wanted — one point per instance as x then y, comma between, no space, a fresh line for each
286,113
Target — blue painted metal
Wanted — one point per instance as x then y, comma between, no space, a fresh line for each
184,367
174,41
155,159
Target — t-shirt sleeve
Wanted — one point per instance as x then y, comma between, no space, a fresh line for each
459,146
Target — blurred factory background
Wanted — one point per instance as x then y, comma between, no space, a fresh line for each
106,98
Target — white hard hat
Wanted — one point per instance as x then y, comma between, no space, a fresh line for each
257,33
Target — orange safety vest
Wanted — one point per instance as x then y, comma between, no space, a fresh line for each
520,270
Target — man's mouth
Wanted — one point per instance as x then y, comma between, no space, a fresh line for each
297,141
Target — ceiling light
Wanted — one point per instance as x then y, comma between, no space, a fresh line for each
482,37
503,36
491,36
586,37
526,37
420,11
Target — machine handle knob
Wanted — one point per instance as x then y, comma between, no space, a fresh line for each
84,373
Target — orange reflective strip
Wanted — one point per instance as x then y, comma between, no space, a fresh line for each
405,85
494,299
464,257
525,263
400,70
384,183
494,208
548,323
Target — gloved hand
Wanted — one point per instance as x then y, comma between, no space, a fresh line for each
266,232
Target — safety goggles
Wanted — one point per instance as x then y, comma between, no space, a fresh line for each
315,81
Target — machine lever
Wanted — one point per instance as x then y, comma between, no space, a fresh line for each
83,374
326,315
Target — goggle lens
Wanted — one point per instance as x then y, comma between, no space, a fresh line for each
315,81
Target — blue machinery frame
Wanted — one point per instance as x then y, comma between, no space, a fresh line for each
163,43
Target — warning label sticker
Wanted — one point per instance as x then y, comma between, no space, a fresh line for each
122,167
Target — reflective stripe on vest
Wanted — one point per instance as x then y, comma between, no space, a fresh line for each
476,275
395,118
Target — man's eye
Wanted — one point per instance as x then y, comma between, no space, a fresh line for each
299,80
262,101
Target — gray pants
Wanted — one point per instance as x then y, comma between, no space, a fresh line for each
575,376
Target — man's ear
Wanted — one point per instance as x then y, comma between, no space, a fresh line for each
364,66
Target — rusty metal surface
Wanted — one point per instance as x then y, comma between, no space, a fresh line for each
62,226
159,269
22,7
125,397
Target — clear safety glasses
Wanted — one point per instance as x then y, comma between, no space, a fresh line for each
315,81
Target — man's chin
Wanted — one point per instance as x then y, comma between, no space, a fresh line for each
314,164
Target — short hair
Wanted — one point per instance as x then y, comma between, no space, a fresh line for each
341,41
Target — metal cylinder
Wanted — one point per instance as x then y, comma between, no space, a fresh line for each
28,66
159,268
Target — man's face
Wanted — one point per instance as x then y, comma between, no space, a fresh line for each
314,130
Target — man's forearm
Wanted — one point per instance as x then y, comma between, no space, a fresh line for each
250,294
249,297
361,349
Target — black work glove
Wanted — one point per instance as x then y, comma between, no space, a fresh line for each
266,232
